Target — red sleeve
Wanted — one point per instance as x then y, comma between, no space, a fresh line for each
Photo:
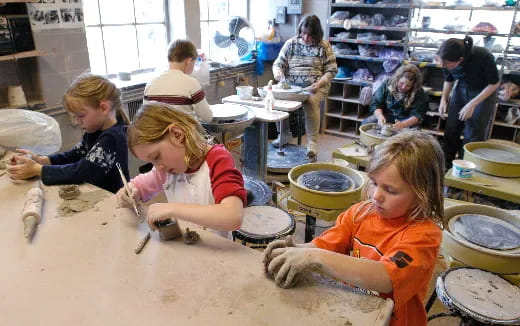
410,262
339,237
226,180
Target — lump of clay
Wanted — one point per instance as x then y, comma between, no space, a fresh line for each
69,192
2,151
191,237
284,85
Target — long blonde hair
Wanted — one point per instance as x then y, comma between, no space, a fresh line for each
413,74
420,161
91,90
152,122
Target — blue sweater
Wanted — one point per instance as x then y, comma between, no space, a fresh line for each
92,160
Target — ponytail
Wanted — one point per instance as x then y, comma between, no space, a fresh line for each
453,49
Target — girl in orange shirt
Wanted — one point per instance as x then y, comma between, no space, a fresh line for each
387,244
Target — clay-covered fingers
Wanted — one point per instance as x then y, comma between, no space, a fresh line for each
27,153
281,268
267,257
127,198
286,276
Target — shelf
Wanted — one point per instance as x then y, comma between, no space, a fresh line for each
377,5
422,64
355,41
433,132
12,1
445,31
506,8
374,28
503,124
342,99
353,82
21,55
511,72
361,58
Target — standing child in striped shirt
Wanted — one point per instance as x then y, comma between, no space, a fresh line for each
176,87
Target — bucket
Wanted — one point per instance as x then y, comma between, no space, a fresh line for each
463,169
244,92
16,96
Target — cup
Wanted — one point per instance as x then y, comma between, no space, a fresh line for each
463,169
16,96
244,92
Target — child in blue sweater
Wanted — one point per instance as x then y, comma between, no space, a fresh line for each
95,104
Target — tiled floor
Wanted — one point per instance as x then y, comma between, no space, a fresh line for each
327,145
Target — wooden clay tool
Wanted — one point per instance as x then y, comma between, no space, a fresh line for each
129,192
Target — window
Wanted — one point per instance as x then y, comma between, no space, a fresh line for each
212,12
125,35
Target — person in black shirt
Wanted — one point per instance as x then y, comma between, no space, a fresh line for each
471,104
95,103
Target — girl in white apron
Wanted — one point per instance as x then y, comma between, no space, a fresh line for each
199,179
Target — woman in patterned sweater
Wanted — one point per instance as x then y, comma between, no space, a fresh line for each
308,61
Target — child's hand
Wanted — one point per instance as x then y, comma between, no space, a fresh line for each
125,199
158,212
24,169
287,242
35,157
287,263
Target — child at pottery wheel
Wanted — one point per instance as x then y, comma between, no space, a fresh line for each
199,179
95,104
387,244
399,100
176,87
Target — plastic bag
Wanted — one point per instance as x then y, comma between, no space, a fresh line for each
201,70
338,17
29,130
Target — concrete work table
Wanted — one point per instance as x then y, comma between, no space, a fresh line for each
82,270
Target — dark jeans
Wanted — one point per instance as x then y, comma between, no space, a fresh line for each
475,128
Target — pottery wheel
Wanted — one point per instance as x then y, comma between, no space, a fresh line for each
325,180
377,132
487,231
293,89
260,191
264,220
497,155
227,112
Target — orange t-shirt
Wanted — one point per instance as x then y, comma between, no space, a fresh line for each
408,250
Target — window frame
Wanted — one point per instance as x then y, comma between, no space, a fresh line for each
134,24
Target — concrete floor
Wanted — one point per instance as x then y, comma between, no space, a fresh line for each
327,144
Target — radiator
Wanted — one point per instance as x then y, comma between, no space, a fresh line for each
132,100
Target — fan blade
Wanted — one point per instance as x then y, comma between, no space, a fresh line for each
222,41
243,46
236,24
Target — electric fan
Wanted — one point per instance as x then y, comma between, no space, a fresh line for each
236,38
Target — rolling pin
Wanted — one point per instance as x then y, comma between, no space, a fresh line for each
32,211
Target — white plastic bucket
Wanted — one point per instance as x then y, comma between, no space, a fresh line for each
244,92
463,169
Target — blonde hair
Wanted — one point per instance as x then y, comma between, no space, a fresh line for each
91,90
420,161
179,50
152,122
413,74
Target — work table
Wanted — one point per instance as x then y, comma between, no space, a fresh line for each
82,270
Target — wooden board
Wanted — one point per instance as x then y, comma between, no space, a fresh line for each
82,270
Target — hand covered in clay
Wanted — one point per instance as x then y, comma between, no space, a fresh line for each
287,242
467,111
158,212
287,263
313,88
381,121
398,125
125,199
24,168
26,153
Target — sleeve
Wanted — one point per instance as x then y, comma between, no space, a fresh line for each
75,154
281,64
339,237
420,105
330,65
149,184
92,168
447,75
379,99
200,105
410,262
226,180
489,69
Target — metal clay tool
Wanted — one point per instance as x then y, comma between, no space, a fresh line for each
129,192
